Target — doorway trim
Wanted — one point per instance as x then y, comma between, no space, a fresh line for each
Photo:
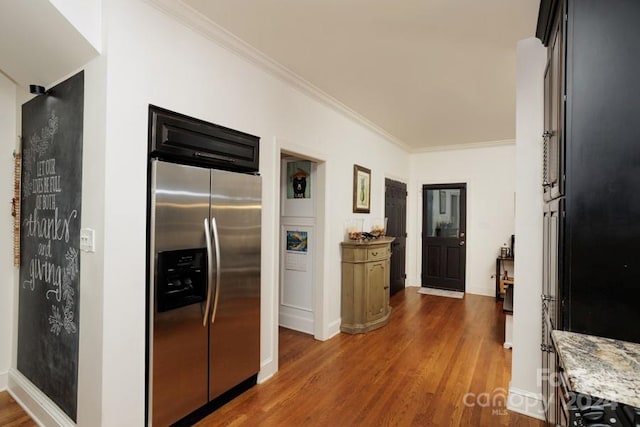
285,148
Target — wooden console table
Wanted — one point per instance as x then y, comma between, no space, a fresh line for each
365,285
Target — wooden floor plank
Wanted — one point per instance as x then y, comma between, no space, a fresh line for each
439,362
11,414
417,370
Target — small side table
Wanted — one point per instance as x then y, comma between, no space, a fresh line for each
500,281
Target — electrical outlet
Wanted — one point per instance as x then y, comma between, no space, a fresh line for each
87,240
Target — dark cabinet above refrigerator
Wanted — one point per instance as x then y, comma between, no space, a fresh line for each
176,137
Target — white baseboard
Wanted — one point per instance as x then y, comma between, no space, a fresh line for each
295,322
526,403
35,403
508,331
267,370
334,329
480,291
4,380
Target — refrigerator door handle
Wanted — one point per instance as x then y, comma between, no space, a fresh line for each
207,233
216,241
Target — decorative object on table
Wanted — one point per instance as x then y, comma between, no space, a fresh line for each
361,189
354,228
379,227
504,251
299,180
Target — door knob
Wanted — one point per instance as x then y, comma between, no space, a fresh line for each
462,234
462,243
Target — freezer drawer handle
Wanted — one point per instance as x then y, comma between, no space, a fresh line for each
213,157
216,242
207,234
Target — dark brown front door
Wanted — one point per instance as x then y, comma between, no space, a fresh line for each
444,217
395,208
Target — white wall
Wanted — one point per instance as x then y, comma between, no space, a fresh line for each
154,59
524,392
92,264
489,173
7,145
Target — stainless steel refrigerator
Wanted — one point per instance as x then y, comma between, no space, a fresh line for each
204,264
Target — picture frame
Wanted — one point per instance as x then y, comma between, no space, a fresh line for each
361,189
299,179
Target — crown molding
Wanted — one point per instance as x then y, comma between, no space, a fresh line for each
487,144
214,32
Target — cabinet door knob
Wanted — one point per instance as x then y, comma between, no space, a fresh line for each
374,253
462,243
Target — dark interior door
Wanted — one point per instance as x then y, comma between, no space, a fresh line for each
395,208
444,235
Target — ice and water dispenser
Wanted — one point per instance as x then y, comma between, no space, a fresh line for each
181,279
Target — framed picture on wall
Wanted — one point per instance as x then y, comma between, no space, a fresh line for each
361,189
299,180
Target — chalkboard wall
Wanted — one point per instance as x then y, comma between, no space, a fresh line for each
51,194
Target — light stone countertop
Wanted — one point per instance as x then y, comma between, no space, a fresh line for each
600,367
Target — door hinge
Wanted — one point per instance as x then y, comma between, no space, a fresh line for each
406,235
404,276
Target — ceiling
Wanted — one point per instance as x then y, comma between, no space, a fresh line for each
39,48
431,73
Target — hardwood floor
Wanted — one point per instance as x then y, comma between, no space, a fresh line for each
11,414
439,362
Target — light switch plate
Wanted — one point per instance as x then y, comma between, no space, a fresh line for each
87,240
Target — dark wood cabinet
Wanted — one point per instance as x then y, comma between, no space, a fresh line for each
591,173
553,228
593,46
174,136
553,135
